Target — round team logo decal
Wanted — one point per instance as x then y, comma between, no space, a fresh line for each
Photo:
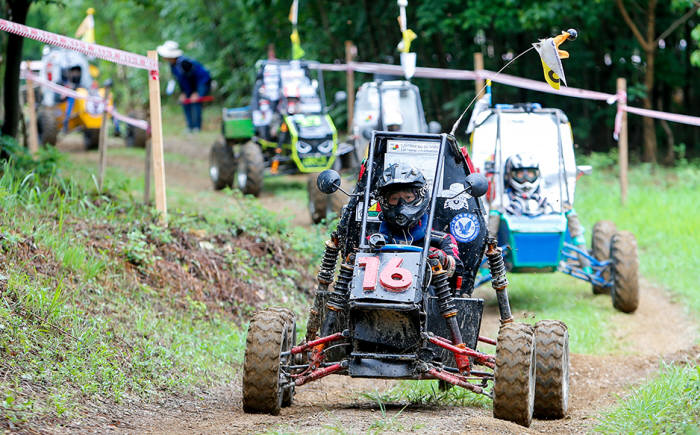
465,227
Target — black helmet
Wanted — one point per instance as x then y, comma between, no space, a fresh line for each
403,196
523,173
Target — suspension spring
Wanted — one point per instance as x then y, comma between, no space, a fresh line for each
338,299
330,257
496,265
325,278
444,294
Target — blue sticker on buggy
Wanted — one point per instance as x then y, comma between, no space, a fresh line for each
465,227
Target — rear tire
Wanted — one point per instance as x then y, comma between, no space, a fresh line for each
552,373
136,137
625,292
92,138
250,168
263,381
222,166
514,375
47,127
600,249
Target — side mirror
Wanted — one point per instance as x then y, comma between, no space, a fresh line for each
584,169
367,133
340,96
477,185
434,127
328,181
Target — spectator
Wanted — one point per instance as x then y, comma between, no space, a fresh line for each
194,81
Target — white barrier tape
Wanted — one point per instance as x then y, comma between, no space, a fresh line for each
535,85
673,117
111,54
379,68
67,92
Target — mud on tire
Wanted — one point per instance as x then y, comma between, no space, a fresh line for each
249,169
222,167
46,125
514,375
552,372
268,336
625,291
600,248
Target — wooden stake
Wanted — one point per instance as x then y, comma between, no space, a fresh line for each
350,53
33,131
157,141
622,143
102,143
478,65
147,174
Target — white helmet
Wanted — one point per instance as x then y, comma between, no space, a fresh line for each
523,174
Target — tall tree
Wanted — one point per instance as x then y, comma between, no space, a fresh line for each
649,43
17,12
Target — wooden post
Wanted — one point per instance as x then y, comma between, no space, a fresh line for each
102,144
157,140
33,131
350,53
147,174
478,65
622,142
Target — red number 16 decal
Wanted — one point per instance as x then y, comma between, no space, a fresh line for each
392,277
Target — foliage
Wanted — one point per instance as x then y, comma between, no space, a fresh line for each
229,36
670,403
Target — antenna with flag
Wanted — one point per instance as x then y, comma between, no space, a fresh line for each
86,30
408,59
297,51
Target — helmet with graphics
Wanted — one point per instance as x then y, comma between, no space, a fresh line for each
403,196
522,174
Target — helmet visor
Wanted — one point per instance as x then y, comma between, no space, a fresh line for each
522,175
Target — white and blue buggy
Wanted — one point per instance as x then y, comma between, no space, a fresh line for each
548,238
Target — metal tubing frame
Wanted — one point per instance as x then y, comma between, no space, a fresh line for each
320,373
314,343
481,358
455,379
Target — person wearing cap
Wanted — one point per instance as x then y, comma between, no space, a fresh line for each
194,80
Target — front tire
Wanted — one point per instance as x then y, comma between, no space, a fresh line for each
92,138
136,137
222,167
264,384
600,249
625,291
47,127
250,168
514,375
552,373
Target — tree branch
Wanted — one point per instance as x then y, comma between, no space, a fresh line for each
678,22
632,26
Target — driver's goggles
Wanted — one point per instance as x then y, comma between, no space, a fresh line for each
522,175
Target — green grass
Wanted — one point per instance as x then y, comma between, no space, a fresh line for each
78,326
661,211
670,403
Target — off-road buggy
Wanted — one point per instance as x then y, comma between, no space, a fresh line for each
391,312
56,113
543,241
285,130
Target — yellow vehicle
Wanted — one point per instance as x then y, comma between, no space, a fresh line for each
59,113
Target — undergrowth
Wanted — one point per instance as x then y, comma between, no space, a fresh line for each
99,305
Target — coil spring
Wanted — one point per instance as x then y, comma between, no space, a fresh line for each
496,266
339,296
330,257
444,294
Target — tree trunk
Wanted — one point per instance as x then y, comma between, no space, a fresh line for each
18,13
649,154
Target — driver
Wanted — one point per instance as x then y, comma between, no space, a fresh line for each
523,182
404,200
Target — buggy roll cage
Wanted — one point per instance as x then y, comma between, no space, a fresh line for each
306,65
499,168
437,181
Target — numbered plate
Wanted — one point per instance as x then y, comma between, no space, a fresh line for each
390,276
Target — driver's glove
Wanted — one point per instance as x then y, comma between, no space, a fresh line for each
447,262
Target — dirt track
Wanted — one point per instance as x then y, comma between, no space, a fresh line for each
658,330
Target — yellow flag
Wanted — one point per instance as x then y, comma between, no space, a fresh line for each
86,30
550,76
407,37
297,51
